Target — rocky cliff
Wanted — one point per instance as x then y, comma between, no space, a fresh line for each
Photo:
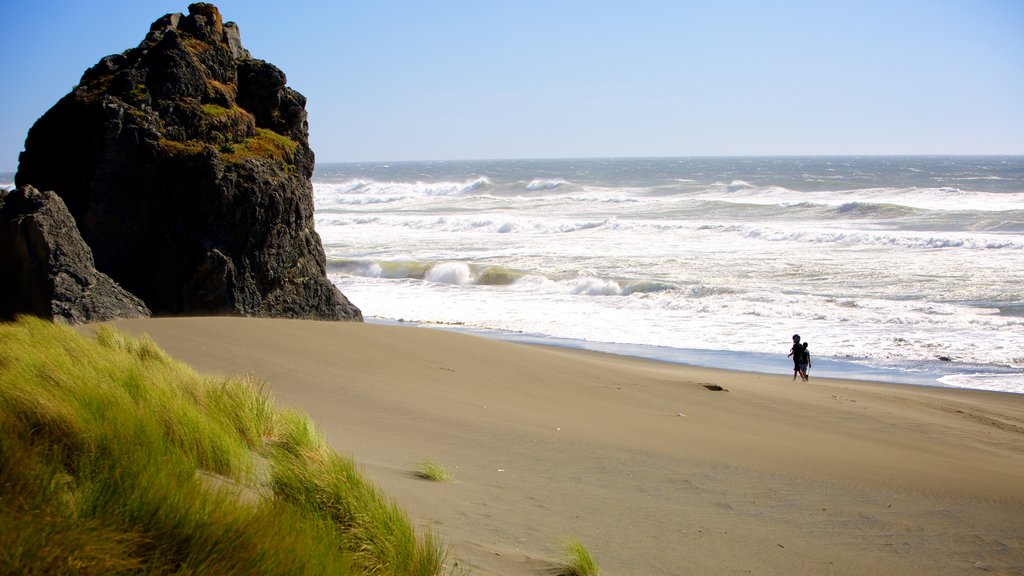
46,267
186,164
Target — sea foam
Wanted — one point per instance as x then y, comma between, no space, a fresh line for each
876,263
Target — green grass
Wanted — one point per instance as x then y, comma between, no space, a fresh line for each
177,149
196,46
216,111
430,470
265,144
108,448
578,561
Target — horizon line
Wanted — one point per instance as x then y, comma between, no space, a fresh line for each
683,156
656,157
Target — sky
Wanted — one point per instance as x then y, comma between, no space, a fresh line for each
478,79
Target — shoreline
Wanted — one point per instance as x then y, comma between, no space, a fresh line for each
926,374
652,470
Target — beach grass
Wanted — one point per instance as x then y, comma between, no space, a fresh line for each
577,561
433,471
116,459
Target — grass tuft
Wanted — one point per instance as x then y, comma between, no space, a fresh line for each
264,144
111,454
430,470
176,149
578,561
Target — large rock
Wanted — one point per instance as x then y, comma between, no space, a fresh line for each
186,164
46,267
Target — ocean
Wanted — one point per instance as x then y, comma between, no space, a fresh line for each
900,269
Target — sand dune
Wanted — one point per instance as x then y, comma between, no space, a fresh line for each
652,471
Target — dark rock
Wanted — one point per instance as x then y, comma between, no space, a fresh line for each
186,165
46,267
234,40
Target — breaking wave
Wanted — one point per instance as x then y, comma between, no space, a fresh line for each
362,192
466,274
858,237
538,185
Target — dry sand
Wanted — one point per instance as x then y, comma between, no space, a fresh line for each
651,471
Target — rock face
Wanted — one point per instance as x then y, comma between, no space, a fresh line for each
48,269
186,165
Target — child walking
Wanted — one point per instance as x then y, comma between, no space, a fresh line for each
806,358
801,358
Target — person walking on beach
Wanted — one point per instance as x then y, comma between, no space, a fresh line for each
806,359
796,353
801,358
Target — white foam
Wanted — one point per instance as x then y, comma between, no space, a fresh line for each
943,199
364,192
595,287
879,276
985,381
450,273
971,241
538,185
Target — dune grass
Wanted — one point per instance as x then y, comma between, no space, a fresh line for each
107,447
578,561
430,470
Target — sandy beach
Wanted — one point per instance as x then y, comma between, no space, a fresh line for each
640,461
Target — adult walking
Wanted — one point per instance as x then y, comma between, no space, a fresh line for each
797,354
805,362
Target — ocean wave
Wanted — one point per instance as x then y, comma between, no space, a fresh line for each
879,264
450,273
473,274
997,382
873,210
326,221
380,269
465,274
983,234
739,185
441,272
1015,225
590,285
361,191
509,226
592,196
541,184
948,199
471,223
854,237
969,178
657,312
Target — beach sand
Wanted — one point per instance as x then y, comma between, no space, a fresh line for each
653,472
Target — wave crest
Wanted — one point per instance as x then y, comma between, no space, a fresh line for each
538,185
361,191
457,273
896,239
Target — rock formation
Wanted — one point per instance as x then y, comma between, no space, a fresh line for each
186,165
47,268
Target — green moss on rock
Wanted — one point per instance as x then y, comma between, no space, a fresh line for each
221,93
177,149
196,46
265,144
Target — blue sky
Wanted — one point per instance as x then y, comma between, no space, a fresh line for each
388,80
